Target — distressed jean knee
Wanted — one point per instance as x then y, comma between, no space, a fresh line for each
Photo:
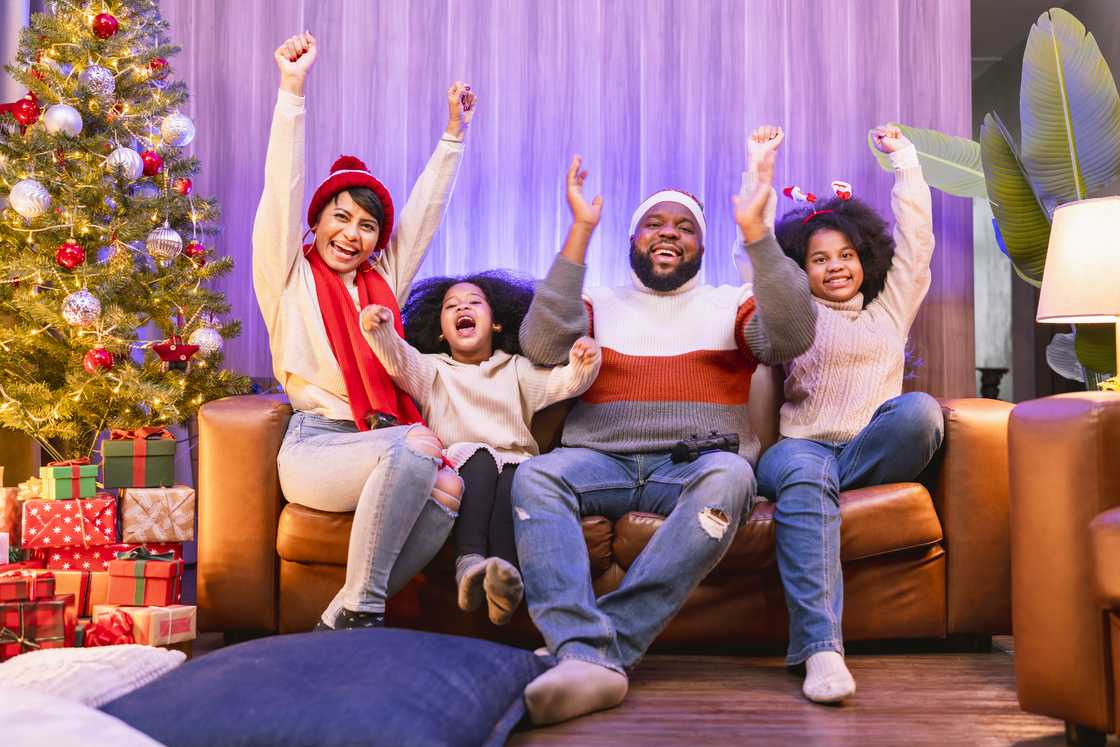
414,441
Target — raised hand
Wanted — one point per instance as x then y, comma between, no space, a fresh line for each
888,138
584,352
461,102
582,211
294,57
373,316
764,139
749,210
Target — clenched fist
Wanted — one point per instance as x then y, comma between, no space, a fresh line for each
584,352
373,316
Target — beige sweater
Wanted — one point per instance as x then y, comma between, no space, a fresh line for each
485,406
856,362
302,360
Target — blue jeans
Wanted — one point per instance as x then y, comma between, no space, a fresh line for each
703,502
398,527
805,479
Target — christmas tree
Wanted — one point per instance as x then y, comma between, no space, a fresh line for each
106,320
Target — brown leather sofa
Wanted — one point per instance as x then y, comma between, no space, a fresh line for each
920,561
1064,456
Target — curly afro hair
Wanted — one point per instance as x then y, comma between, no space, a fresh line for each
855,219
508,294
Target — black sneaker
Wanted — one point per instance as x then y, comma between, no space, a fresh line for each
321,626
350,620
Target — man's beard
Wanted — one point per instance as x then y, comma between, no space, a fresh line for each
642,264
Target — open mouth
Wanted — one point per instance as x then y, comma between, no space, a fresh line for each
666,251
837,282
465,326
343,251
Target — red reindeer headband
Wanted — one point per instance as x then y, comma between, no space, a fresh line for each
842,190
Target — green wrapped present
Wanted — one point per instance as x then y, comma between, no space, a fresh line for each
75,478
143,458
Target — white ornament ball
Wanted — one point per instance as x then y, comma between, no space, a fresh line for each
129,161
177,129
29,198
164,243
208,339
63,118
81,309
99,81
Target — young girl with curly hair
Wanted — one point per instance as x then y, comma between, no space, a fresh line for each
845,422
460,360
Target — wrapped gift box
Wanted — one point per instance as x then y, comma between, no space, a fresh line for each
156,626
29,626
23,565
97,558
82,523
89,588
157,514
144,458
26,585
145,581
76,478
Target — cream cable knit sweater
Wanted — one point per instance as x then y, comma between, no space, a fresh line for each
856,362
302,360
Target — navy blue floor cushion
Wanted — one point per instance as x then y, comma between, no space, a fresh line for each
353,687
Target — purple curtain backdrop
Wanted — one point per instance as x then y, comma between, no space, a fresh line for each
652,93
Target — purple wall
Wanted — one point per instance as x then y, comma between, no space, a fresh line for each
652,93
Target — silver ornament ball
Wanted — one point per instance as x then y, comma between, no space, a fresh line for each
29,198
144,190
177,129
63,118
208,339
129,162
98,81
164,243
81,309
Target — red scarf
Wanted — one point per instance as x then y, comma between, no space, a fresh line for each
368,386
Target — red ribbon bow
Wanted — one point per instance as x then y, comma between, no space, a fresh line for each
110,630
119,434
69,462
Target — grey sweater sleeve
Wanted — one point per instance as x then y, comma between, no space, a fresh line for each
557,316
785,319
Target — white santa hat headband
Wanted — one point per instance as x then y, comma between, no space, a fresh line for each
671,195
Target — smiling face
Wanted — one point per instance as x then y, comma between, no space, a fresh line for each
666,248
467,323
345,234
833,266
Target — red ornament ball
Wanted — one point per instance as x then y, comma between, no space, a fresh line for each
70,255
152,162
194,249
159,68
183,186
27,111
96,360
104,25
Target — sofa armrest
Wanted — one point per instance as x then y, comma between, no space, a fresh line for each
239,506
1104,540
969,488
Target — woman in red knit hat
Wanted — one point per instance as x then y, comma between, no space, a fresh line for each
354,442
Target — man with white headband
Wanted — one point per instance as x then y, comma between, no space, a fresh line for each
677,358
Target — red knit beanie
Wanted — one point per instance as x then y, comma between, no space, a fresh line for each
346,173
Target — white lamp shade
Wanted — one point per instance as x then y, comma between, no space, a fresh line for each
1081,282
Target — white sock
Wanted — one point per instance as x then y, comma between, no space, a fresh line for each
827,679
573,688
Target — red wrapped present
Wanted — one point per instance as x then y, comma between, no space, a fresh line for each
23,565
26,585
69,523
145,579
29,626
97,558
111,627
154,626
88,587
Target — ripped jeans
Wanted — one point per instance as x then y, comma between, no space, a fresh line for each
703,502
398,527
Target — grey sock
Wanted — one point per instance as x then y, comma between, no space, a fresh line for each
470,570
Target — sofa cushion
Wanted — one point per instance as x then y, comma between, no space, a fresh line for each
378,687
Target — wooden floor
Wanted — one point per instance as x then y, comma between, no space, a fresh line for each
902,699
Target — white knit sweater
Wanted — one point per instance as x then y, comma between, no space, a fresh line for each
302,360
856,362
489,405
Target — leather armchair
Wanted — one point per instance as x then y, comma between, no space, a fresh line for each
1065,472
928,559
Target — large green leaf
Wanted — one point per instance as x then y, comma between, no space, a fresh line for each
949,163
1069,111
1023,225
1096,346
